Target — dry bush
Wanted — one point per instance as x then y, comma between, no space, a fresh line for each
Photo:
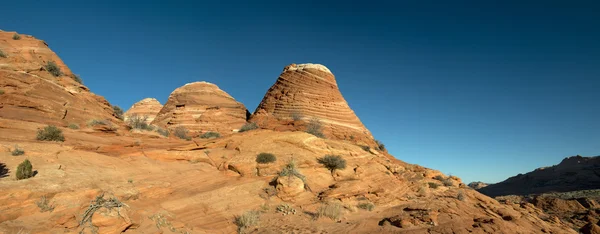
331,210
53,68
366,206
209,135
248,219
248,127
181,132
17,151
44,205
314,128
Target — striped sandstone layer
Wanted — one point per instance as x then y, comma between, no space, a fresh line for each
147,107
309,91
202,107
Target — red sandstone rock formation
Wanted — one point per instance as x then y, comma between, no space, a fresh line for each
31,93
202,107
309,91
147,107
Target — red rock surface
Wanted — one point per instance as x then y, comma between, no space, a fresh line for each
147,107
202,107
30,93
310,91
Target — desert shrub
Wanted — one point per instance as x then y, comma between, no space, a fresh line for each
380,146
163,132
138,122
264,158
24,170
286,209
366,148
291,169
181,132
333,162
296,116
50,133
461,196
314,127
208,135
73,126
366,206
248,219
331,210
17,151
44,204
433,185
248,127
118,112
447,182
94,122
439,177
2,54
77,78
53,68
1,91
16,36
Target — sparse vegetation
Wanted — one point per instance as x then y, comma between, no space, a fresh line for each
333,162
17,151
248,127
447,182
439,177
2,54
433,185
50,133
1,91
77,78
461,196
138,122
96,204
73,126
94,122
163,132
44,205
130,181
264,158
24,170
286,209
380,146
291,170
296,116
366,206
181,132
331,210
118,112
16,36
209,135
248,219
53,68
314,128
366,148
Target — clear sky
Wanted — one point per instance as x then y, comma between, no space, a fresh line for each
480,89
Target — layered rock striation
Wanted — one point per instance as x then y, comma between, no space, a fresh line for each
147,108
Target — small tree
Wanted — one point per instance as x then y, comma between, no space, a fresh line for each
314,127
24,170
181,132
264,158
118,112
248,127
50,133
53,68
16,36
333,162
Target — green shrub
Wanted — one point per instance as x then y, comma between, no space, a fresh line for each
366,206
208,135
77,78
118,112
333,162
163,132
16,36
138,122
73,126
292,170
53,68
50,133
24,170
181,132
433,185
2,54
331,210
380,146
314,127
17,151
296,116
264,158
248,127
248,219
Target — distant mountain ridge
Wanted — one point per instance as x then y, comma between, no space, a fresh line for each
571,174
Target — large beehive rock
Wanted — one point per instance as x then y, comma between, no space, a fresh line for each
304,92
202,107
147,107
29,92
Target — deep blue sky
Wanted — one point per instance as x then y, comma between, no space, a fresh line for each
479,90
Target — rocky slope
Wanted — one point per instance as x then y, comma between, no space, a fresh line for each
309,91
202,107
147,107
572,174
29,92
477,185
